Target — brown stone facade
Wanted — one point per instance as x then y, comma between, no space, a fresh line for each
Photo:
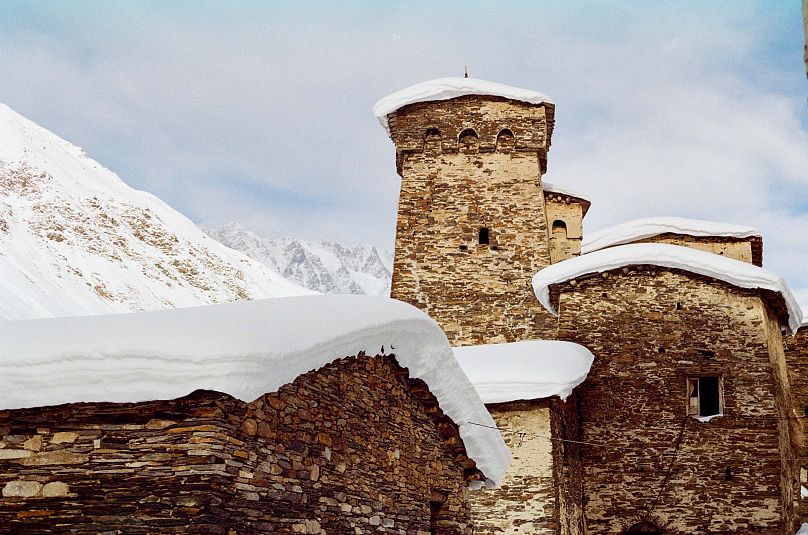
354,447
749,250
525,500
796,349
565,215
641,457
472,229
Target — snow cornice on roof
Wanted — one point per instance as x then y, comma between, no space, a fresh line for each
550,187
244,349
640,229
728,270
448,88
531,369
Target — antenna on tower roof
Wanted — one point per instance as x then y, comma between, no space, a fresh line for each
466,71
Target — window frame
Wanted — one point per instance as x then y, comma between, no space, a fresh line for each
696,412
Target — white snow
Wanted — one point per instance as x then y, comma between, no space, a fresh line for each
447,88
640,229
803,530
804,316
706,419
803,492
530,369
731,271
75,239
553,188
243,349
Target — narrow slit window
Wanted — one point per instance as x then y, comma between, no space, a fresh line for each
484,236
704,396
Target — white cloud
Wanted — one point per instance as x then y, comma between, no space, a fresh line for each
263,114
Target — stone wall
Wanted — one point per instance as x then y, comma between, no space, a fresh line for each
354,447
796,350
565,240
642,456
748,250
525,500
467,164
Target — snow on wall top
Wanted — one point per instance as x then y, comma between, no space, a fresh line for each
553,188
729,270
447,88
243,349
531,369
640,229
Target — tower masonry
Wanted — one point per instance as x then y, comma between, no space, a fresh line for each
472,227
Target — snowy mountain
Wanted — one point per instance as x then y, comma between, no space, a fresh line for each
75,239
318,265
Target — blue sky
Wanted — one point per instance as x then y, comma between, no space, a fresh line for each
260,112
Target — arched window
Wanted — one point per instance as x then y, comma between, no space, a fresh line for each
432,140
468,141
559,229
644,527
505,140
484,240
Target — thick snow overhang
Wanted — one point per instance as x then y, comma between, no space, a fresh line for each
549,187
447,88
728,270
532,369
641,229
242,349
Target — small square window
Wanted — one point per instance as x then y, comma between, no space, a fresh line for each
704,396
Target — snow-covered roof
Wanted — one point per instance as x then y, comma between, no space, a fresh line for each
243,349
447,88
554,188
729,270
531,369
640,229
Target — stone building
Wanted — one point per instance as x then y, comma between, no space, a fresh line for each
686,421
326,414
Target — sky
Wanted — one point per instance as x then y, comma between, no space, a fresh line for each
260,112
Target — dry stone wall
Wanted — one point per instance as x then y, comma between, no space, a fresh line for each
467,164
748,250
642,457
796,350
565,216
355,447
525,500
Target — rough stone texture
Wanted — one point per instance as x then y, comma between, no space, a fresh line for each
525,500
353,447
565,216
650,329
748,250
469,163
796,350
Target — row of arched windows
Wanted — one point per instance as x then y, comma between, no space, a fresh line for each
469,141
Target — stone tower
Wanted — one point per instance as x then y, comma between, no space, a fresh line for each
472,226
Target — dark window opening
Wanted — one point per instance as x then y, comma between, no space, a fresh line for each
704,396
468,141
434,511
505,140
678,306
728,474
464,247
484,236
707,353
660,350
644,527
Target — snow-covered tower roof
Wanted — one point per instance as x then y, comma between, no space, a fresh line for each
643,229
531,369
244,349
446,88
728,270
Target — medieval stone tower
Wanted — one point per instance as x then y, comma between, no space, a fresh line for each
472,225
